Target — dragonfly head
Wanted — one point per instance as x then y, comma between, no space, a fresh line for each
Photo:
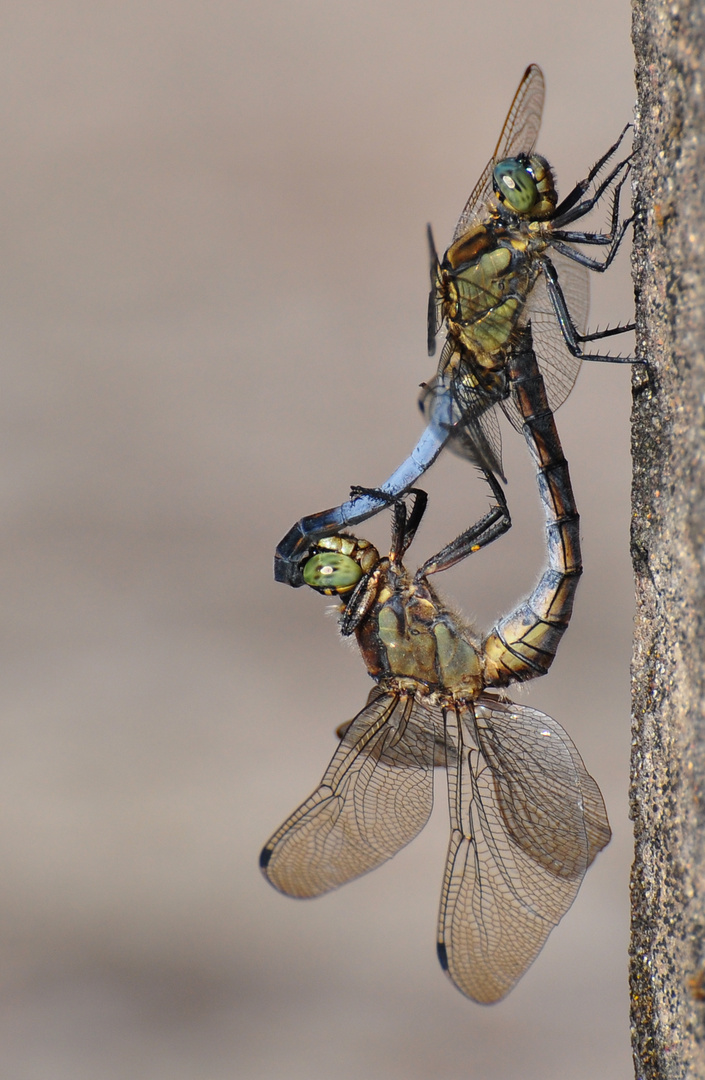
525,186
338,564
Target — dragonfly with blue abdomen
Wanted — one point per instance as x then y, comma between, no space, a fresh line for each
512,260
527,819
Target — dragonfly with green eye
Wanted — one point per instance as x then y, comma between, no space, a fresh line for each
527,819
512,260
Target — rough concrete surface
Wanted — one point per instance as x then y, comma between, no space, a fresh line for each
668,547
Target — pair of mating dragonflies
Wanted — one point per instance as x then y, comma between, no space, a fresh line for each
527,819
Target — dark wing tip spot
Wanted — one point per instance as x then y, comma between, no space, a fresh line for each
442,955
265,856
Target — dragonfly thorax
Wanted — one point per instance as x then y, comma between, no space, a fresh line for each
482,287
409,634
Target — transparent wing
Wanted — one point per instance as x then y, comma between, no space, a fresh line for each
475,208
376,796
521,128
518,136
452,402
558,365
527,820
470,417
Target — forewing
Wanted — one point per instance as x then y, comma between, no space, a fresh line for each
518,136
558,365
376,796
476,208
521,128
526,821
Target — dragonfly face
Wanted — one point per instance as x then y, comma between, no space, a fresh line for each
338,565
524,186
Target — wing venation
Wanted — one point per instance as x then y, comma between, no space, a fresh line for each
376,796
527,820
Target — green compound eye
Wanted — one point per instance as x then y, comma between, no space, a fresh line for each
515,184
330,572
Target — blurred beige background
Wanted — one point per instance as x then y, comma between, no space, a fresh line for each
213,294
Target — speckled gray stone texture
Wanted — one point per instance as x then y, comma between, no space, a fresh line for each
668,546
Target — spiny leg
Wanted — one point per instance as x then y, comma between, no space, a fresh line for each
570,336
493,525
405,522
561,240
597,265
567,210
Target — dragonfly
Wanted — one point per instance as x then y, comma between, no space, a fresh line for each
526,817
512,260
